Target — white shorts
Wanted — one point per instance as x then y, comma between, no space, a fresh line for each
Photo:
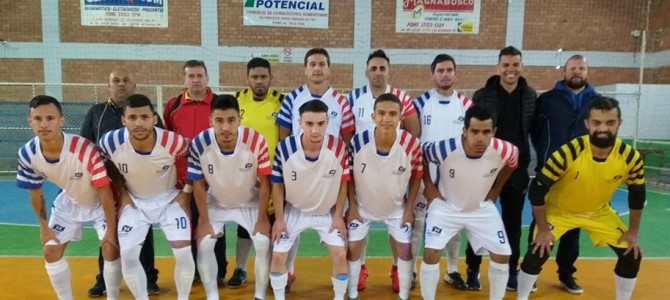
402,233
134,224
243,216
483,227
68,218
297,221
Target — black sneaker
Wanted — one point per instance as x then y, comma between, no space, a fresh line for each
238,279
455,280
98,289
571,285
413,281
152,288
512,280
473,280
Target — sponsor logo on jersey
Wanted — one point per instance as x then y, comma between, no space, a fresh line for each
492,172
247,167
283,236
58,228
435,231
353,225
331,173
333,114
126,228
274,115
164,169
461,119
421,205
77,176
399,171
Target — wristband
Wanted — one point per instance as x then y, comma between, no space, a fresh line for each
187,189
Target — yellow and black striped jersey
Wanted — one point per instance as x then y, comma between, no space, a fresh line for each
582,185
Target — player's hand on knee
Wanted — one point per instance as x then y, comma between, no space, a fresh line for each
339,225
110,239
408,218
204,230
542,242
262,226
633,244
48,237
278,229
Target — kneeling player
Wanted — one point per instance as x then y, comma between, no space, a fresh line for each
473,169
384,162
233,161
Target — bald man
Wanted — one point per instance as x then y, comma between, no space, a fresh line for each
100,119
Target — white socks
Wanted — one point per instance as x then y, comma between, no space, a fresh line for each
354,272
59,274
430,274
207,267
498,275
278,282
624,287
112,275
133,273
453,247
184,270
404,277
290,260
340,285
525,285
261,264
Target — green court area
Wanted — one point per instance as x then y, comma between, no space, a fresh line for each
23,240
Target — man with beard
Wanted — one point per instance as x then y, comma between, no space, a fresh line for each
441,113
362,101
512,101
559,117
145,156
574,189
100,119
259,105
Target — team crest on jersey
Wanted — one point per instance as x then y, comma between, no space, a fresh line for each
421,205
77,176
283,236
126,228
399,171
274,115
246,167
491,173
353,225
58,228
616,178
164,169
331,173
461,119
333,114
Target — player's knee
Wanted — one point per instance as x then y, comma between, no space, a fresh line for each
261,242
532,263
109,252
338,255
405,251
499,258
431,256
627,265
179,244
53,253
130,257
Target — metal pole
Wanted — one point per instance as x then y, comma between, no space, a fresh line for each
643,50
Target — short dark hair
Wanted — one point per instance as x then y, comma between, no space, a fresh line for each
258,62
604,103
388,97
194,63
440,58
574,57
45,100
379,53
224,102
480,113
315,106
313,51
138,100
509,50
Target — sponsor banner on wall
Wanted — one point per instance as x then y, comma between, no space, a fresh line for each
437,16
125,13
286,13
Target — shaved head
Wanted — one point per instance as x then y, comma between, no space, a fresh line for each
121,85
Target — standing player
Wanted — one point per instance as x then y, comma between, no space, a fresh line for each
386,161
473,170
559,117
317,71
228,148
100,119
188,115
145,155
574,190
310,172
512,101
259,106
73,164
361,101
441,111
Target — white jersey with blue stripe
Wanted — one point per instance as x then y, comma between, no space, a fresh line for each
465,181
312,185
78,171
149,176
362,104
